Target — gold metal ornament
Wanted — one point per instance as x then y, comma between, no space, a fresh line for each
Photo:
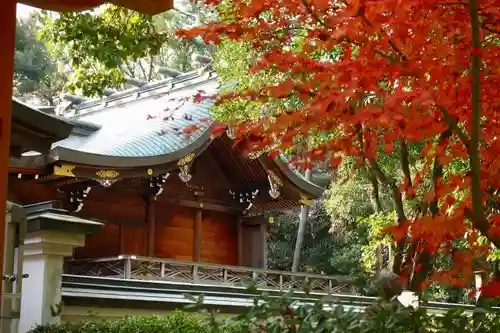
186,159
108,174
64,170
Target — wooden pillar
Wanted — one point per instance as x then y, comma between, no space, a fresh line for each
263,231
151,223
240,241
198,218
121,231
8,28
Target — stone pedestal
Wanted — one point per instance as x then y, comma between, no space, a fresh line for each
51,235
15,223
44,253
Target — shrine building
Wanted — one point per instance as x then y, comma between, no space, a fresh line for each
120,207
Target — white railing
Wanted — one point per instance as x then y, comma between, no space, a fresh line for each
155,269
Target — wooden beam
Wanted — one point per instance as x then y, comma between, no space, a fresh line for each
198,218
205,206
151,223
8,28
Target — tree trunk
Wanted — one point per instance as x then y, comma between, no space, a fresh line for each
304,212
374,194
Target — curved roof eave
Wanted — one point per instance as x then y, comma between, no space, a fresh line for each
314,190
307,188
91,159
59,128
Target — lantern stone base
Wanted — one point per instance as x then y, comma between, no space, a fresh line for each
52,234
44,254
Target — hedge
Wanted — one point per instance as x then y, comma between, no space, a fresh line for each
175,322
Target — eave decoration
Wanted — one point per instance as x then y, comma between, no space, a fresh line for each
156,184
231,132
64,170
245,197
184,165
21,176
107,177
274,184
75,198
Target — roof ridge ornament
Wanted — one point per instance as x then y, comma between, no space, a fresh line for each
136,82
169,73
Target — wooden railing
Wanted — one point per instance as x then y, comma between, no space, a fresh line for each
155,269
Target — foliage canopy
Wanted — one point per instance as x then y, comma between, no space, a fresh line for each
412,81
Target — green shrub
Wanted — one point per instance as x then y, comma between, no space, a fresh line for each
175,322
51,329
284,315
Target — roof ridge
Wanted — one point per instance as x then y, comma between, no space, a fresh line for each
147,88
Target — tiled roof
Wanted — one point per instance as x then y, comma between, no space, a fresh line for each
130,128
135,125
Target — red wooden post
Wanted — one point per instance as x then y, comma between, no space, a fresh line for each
263,235
239,232
198,218
121,232
151,223
8,28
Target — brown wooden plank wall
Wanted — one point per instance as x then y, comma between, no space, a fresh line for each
126,231
104,243
219,238
174,232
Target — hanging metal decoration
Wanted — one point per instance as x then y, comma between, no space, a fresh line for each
106,182
231,132
75,199
245,197
185,166
274,185
184,174
156,184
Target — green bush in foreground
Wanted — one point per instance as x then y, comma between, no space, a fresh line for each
175,322
283,314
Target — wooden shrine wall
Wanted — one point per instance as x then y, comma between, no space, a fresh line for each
126,230
174,232
105,243
174,237
219,238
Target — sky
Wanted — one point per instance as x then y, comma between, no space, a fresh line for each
23,10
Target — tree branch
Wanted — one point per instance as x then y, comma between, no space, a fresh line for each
150,71
142,69
424,259
381,176
405,162
479,219
453,124
375,195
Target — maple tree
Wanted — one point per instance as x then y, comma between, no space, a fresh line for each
415,80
